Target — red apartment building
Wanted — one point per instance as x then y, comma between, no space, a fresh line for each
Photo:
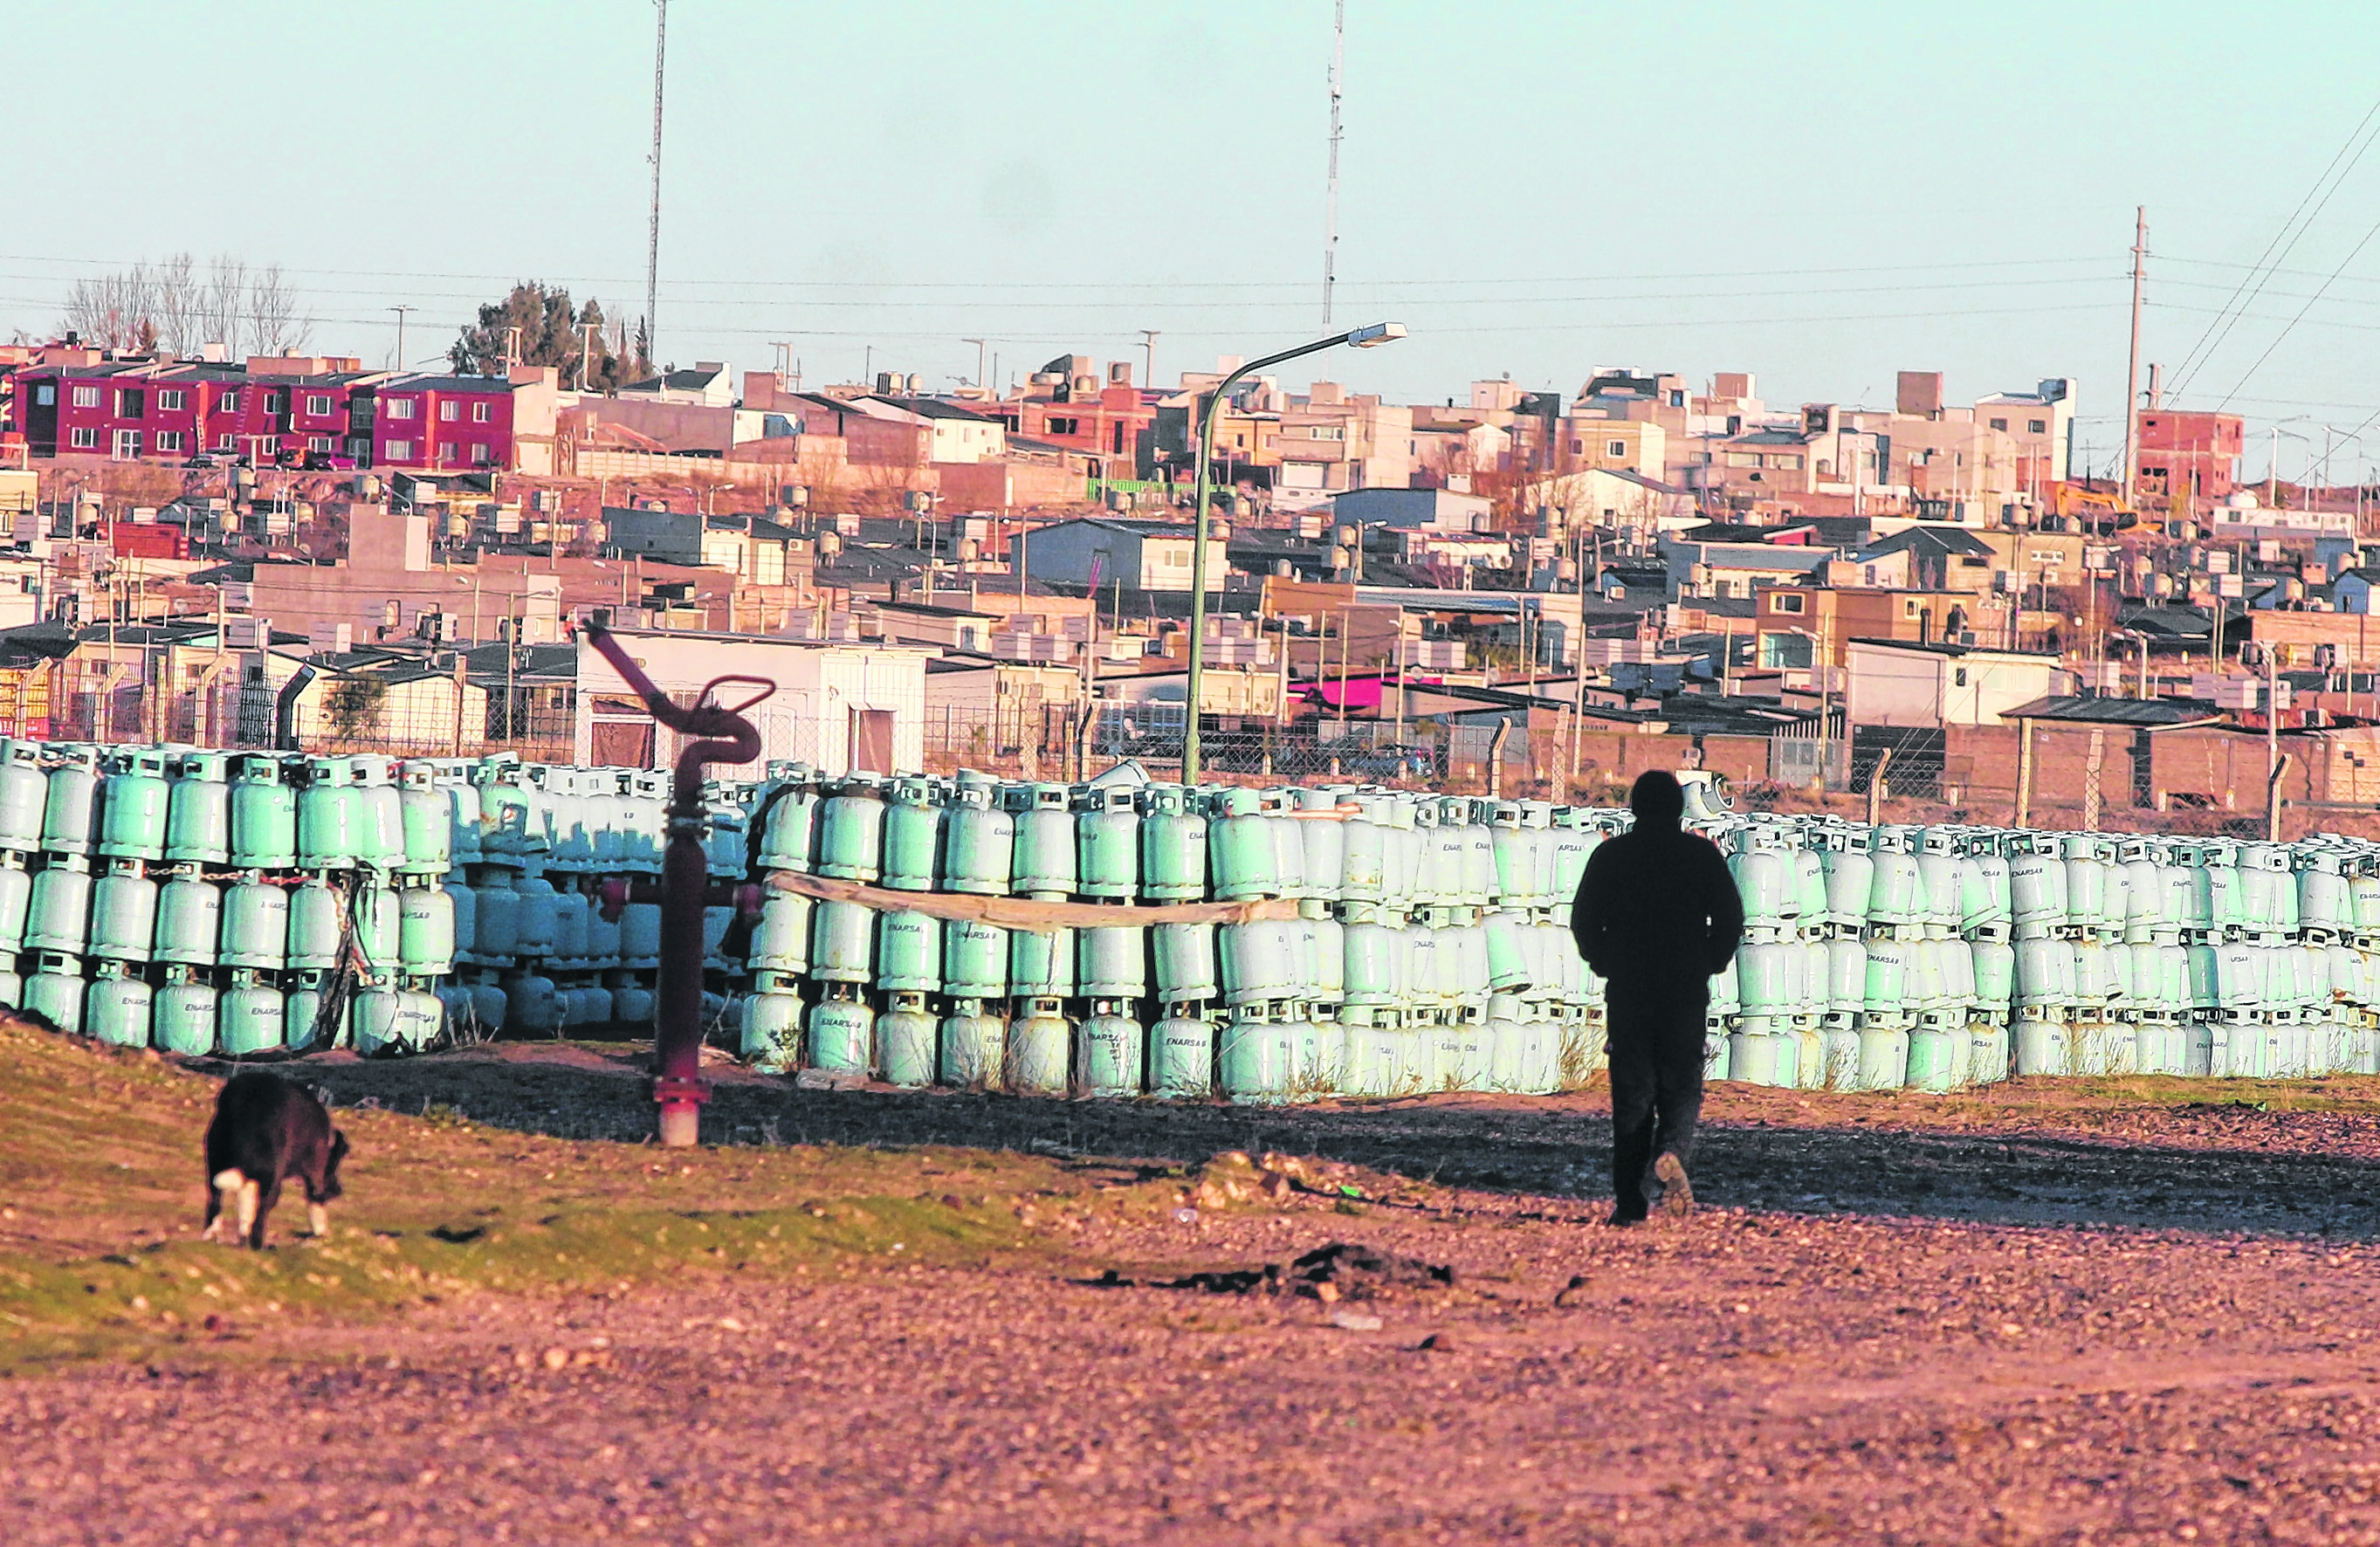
266,410
2188,453
1065,404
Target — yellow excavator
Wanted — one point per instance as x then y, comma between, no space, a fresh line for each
2092,510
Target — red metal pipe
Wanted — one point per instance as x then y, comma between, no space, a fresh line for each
726,737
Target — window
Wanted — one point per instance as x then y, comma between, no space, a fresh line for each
1062,426
1999,424
169,440
46,394
84,438
274,401
400,408
130,403
319,404
1787,604
1789,652
400,451
322,443
448,451
86,397
1615,448
1740,459
1578,448
223,441
1958,677
228,402
483,413
2037,426
449,412
1908,607
483,454
172,400
1788,459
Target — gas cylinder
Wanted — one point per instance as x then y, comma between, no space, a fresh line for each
377,930
1107,844
535,930
379,815
974,1043
16,903
979,840
133,802
842,938
780,942
1242,850
906,1037
851,831
532,1002
114,1010
23,793
251,1016
190,921
71,806
316,926
1185,958
912,832
1110,1052
1111,963
1042,860
183,1014
790,802
1175,838
263,816
1041,964
1040,1046
640,934
425,938
198,811
330,812
1257,1059
908,952
124,914
771,1040
57,909
426,816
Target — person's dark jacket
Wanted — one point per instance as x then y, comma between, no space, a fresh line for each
1657,904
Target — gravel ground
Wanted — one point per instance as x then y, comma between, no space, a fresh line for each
1897,1322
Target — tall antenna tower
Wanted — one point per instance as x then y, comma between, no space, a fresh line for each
1331,202
653,235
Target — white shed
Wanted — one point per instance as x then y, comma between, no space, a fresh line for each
1901,682
838,707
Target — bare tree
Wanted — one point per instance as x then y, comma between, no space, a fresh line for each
226,286
272,317
113,311
175,284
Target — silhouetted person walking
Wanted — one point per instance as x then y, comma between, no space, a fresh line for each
1657,914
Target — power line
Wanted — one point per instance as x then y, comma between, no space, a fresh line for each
2291,326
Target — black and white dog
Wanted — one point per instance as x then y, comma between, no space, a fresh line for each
266,1130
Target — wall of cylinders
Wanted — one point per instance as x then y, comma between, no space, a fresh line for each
210,902
1430,949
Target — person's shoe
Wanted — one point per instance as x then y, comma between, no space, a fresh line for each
1622,1218
1677,1193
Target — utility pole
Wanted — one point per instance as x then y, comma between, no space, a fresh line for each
979,378
653,234
512,348
1330,198
784,362
586,352
1149,357
400,312
2132,372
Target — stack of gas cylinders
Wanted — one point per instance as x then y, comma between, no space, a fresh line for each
1429,947
203,901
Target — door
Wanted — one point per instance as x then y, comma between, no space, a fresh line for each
871,741
128,445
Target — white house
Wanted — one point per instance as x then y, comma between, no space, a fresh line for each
1901,682
840,708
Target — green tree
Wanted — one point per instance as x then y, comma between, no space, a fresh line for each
552,332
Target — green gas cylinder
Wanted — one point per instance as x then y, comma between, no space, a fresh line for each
975,960
189,918
55,991
251,1016
425,931
317,920
1040,1044
974,1045
380,814
906,1037
1185,957
979,841
426,814
851,831
123,913
772,1036
840,943
24,791
198,811
788,831
1174,842
1042,860
329,814
133,802
116,1008
1107,844
70,805
1257,1055
908,952
263,816
185,1014
912,832
1040,964
1110,1053
57,908
843,1033
16,901
1181,1055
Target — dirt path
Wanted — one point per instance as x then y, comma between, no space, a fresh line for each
2038,1316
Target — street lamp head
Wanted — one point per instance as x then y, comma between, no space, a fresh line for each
1373,335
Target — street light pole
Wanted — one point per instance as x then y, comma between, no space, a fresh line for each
1368,336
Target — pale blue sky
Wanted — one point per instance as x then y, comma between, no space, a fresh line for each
1821,195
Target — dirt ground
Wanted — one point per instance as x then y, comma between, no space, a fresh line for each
2058,1312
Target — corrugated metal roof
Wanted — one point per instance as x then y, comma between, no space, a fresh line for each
2150,713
